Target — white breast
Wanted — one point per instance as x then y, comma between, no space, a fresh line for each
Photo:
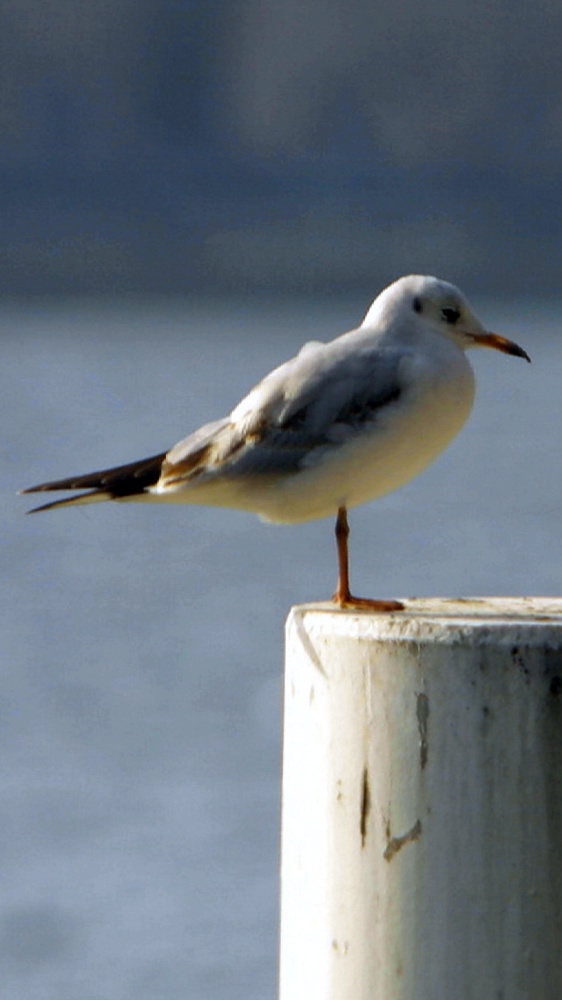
404,439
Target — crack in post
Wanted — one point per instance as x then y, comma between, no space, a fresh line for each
365,806
422,712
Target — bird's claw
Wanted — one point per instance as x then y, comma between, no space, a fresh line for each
348,601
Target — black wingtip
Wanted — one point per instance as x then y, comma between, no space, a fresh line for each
95,496
119,481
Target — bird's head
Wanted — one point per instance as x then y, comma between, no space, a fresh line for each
439,306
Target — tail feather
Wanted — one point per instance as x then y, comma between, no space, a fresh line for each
108,484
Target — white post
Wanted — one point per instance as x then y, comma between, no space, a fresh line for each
422,803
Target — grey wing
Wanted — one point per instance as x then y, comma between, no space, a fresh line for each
314,402
345,395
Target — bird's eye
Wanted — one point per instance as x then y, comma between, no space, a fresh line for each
450,314
417,304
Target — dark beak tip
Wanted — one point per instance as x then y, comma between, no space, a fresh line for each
517,352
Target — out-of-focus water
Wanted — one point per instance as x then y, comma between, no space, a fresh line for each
140,692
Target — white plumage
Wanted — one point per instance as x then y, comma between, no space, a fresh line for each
338,425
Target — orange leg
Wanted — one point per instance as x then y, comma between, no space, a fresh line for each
343,596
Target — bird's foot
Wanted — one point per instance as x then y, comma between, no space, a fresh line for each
366,603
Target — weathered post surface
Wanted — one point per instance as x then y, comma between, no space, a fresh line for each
422,803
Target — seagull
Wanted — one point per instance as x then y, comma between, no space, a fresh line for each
338,425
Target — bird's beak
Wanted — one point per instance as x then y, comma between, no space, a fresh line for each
498,343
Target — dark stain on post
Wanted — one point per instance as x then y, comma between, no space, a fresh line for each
555,686
518,657
422,712
365,806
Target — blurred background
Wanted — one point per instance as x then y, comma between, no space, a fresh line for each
210,146
189,191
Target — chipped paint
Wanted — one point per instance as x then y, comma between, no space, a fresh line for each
396,844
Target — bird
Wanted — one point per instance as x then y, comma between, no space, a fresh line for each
342,423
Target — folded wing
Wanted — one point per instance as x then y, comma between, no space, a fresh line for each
314,402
